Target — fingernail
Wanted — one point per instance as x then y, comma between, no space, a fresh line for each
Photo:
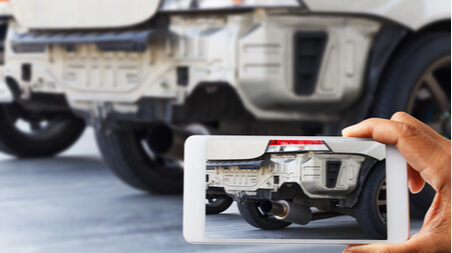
347,129
348,250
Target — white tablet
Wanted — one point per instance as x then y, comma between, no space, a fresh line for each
294,190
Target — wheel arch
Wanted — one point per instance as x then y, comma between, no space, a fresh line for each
410,13
438,26
442,26
390,41
368,165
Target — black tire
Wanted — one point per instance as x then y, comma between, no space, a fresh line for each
218,203
123,151
60,131
370,215
251,213
401,89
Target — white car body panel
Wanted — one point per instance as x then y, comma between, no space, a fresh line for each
69,14
250,149
369,148
414,14
5,9
236,149
64,14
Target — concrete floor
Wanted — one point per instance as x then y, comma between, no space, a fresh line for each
230,224
73,203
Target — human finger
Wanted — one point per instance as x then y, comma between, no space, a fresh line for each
422,152
405,117
415,180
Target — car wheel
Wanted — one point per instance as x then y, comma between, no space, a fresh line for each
371,210
418,82
252,214
216,204
130,158
25,133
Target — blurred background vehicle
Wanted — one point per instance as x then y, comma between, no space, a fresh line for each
149,74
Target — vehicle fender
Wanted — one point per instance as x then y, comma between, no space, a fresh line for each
414,14
353,198
384,45
367,148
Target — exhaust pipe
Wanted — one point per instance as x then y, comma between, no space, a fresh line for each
287,211
168,141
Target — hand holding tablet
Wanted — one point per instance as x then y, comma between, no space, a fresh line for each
427,154
428,157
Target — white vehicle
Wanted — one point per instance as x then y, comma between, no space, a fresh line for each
149,73
277,182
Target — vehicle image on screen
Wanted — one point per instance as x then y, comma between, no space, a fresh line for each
149,74
288,178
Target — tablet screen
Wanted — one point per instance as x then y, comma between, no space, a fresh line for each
295,189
